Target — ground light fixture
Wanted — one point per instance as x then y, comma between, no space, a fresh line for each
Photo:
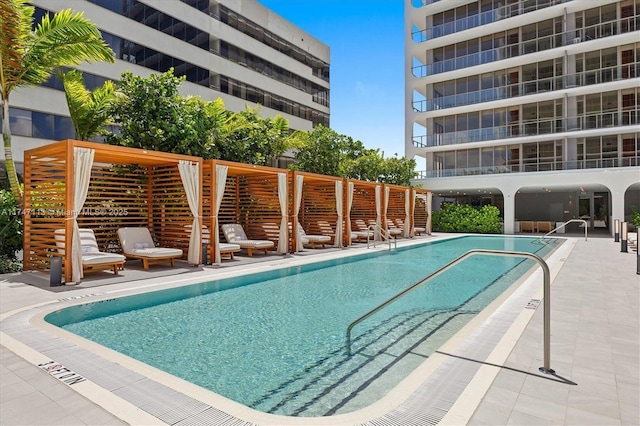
616,230
623,239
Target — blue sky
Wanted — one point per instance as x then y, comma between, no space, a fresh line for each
367,56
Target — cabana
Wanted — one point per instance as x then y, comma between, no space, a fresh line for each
364,203
398,207
422,200
75,184
256,197
318,201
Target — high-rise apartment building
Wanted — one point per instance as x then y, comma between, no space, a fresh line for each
529,105
239,51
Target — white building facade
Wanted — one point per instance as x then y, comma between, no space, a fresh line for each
529,105
239,51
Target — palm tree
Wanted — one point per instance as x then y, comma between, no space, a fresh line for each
89,110
29,57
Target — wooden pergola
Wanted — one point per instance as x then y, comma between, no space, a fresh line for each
398,206
105,187
248,195
122,187
421,217
366,204
321,209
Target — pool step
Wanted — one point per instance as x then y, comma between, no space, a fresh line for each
341,384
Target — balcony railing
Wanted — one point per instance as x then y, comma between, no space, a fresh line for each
601,163
540,126
539,44
585,78
421,3
482,18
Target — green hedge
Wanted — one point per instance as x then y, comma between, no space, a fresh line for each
10,232
466,218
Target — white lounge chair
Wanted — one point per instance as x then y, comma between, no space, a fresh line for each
234,233
92,258
415,231
312,240
393,230
226,249
360,231
137,243
632,240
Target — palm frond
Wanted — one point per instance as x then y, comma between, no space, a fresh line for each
89,111
15,30
67,39
280,124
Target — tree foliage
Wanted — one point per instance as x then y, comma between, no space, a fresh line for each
28,58
321,151
325,151
251,139
465,218
89,110
10,231
153,115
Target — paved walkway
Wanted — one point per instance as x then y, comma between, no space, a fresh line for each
594,347
594,351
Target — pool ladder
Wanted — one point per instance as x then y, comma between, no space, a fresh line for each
384,236
565,224
546,294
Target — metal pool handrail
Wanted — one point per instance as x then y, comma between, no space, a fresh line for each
546,294
565,224
383,235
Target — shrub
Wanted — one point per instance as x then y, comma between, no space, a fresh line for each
466,218
10,232
635,217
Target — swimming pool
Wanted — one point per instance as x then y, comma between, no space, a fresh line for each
275,341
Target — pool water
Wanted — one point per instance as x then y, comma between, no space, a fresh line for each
275,341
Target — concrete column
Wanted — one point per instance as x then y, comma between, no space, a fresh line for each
509,196
617,204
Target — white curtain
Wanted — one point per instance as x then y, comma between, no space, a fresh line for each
190,175
378,210
296,210
387,190
338,236
350,189
407,213
82,164
428,207
221,183
283,240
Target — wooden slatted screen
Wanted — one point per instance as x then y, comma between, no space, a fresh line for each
44,212
250,199
128,188
171,213
396,204
364,203
318,215
420,209
117,198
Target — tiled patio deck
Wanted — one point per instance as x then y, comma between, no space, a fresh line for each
595,352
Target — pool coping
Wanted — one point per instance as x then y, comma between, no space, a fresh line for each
16,322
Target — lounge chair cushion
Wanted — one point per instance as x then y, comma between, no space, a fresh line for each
320,239
156,252
100,258
234,233
91,254
228,247
133,241
360,234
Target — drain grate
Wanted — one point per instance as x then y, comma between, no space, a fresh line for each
533,304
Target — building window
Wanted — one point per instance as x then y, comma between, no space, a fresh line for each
40,125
